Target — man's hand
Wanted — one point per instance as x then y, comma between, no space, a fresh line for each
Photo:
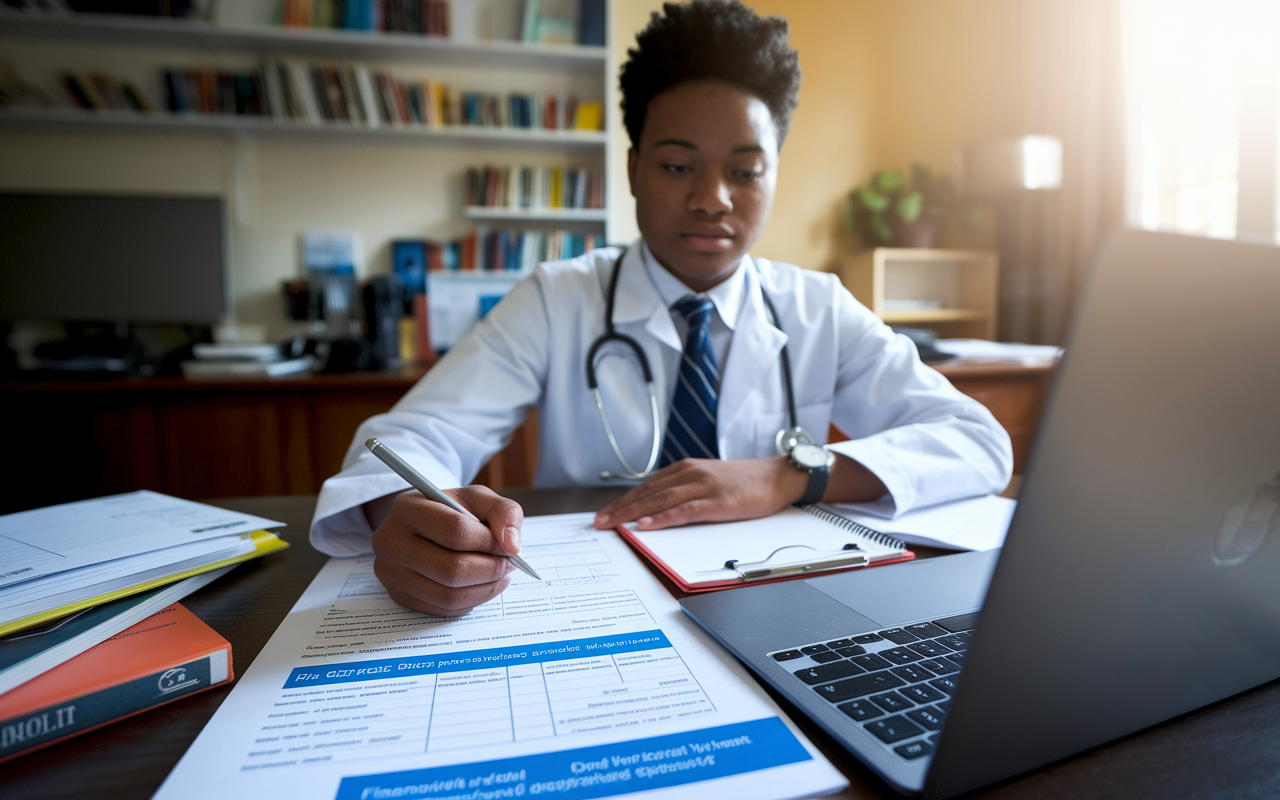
431,558
712,490
708,490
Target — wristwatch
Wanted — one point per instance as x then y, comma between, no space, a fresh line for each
817,462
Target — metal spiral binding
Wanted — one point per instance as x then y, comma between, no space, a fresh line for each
858,528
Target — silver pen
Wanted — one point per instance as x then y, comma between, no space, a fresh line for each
418,481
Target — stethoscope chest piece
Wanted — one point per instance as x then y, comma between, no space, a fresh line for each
788,438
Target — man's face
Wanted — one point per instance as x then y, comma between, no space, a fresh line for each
703,177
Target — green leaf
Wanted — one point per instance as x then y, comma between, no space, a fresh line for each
872,200
850,216
880,231
887,180
909,206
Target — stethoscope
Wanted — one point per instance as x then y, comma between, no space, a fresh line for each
786,439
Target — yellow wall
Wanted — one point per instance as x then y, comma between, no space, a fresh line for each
949,74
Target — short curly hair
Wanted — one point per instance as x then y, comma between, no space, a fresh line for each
720,40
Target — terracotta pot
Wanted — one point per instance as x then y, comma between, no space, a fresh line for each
921,233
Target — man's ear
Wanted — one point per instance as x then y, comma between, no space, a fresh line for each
633,158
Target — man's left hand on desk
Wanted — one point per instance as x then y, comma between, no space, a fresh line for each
711,490
707,490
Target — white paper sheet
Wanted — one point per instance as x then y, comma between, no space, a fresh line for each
979,523
984,350
49,540
72,586
589,683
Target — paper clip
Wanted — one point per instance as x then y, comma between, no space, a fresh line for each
848,556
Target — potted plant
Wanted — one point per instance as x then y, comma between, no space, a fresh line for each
892,211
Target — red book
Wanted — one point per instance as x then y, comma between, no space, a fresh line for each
468,252
422,322
167,656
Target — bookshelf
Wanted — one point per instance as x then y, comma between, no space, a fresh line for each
263,40
951,291
499,214
83,120
282,176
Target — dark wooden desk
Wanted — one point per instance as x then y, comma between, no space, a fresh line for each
1231,749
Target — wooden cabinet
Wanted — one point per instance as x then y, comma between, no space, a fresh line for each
63,441
1014,394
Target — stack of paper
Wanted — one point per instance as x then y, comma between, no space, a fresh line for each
978,523
58,560
996,352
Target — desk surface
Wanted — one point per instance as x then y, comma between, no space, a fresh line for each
1231,749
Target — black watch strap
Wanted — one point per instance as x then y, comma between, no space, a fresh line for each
817,485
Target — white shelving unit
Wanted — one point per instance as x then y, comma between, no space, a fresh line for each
536,214
86,42
108,29
83,120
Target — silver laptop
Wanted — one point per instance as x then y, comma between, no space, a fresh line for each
1140,579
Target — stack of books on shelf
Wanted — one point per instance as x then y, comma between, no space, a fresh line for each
426,17
177,9
101,92
235,360
298,91
506,250
90,631
535,187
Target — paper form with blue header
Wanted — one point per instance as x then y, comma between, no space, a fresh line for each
589,683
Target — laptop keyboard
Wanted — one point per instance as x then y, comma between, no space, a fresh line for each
896,683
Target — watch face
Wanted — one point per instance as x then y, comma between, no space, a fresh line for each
809,456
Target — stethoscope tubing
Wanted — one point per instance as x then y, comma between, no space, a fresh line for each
611,335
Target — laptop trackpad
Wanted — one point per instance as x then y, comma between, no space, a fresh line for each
924,589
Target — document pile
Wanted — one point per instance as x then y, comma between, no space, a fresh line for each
81,588
64,558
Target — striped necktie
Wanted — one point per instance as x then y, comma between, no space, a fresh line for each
691,429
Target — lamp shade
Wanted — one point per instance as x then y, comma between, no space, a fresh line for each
1009,166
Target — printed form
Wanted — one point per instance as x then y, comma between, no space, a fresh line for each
589,683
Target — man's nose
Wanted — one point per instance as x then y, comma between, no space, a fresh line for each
710,194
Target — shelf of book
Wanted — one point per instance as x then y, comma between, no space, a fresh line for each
79,120
105,29
499,213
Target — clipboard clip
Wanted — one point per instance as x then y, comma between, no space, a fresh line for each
848,556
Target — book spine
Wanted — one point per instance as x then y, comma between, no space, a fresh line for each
42,727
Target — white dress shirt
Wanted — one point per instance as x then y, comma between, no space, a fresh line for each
726,296
922,438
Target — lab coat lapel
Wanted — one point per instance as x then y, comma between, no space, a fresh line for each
752,379
638,300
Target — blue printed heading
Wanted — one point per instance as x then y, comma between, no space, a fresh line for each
387,668
599,771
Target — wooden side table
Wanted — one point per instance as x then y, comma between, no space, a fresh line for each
1013,392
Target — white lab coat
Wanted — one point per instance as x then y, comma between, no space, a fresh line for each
925,440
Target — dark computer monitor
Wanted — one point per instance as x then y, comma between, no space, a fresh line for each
111,258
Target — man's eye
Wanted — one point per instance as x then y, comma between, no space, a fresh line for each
746,174
677,168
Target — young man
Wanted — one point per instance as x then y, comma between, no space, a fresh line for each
707,96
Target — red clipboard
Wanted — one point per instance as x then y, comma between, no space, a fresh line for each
733,583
